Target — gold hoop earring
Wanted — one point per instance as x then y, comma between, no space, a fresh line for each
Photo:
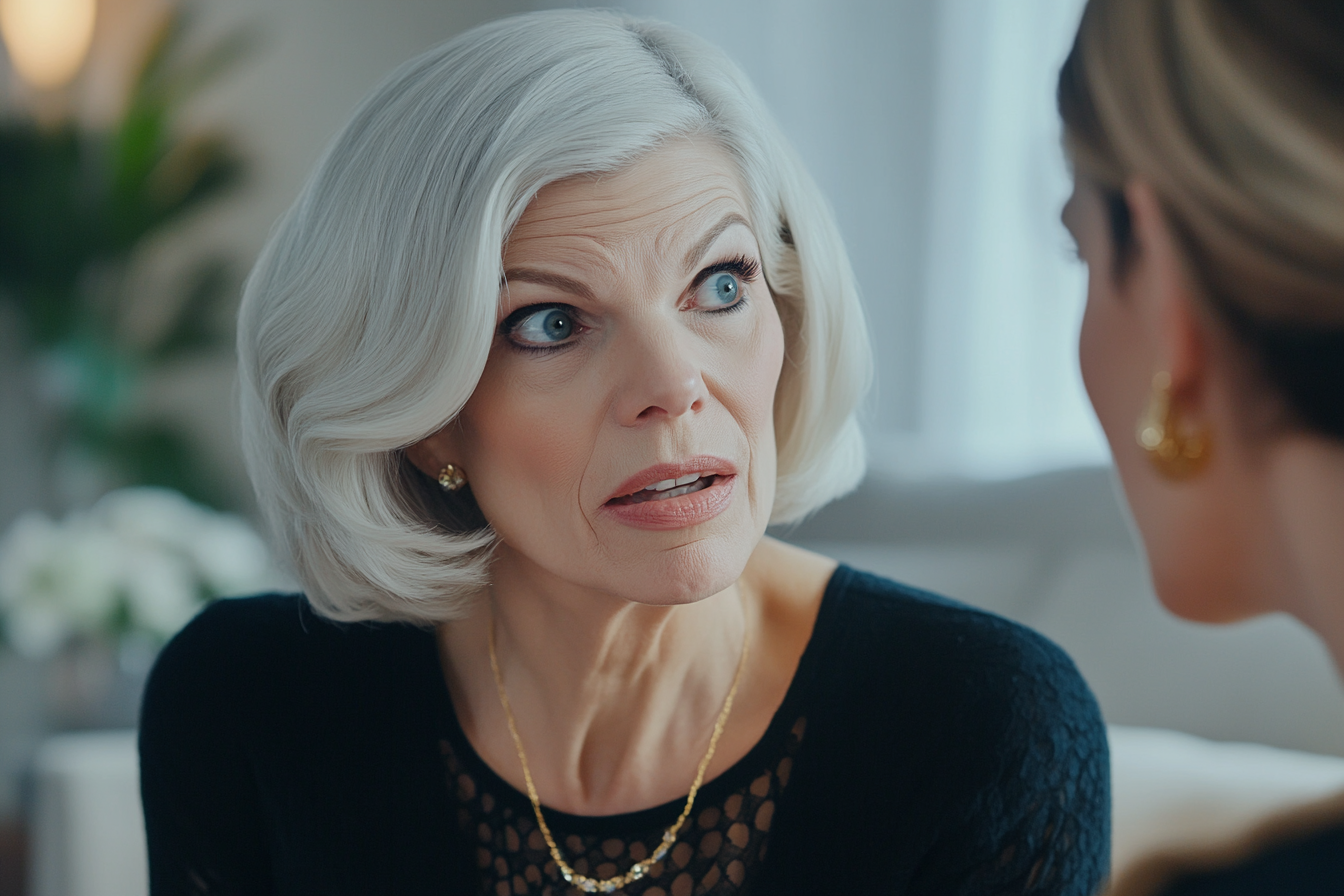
452,478
1175,454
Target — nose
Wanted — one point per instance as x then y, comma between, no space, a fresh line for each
660,380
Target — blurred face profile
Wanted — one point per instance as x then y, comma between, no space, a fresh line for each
621,437
1110,344
1186,527
1115,366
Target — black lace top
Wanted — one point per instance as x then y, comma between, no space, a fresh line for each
719,850
923,748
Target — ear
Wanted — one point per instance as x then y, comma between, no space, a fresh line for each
432,453
1160,284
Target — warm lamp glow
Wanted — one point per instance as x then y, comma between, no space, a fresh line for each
47,39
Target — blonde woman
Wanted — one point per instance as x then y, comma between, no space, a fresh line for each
1208,143
557,327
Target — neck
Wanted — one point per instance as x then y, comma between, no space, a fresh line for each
1306,484
606,692
592,647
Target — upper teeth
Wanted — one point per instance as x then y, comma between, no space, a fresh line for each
673,483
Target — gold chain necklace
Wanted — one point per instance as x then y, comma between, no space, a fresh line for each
640,868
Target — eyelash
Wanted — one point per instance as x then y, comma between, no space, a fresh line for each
744,268
514,320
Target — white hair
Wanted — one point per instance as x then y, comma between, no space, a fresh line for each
366,322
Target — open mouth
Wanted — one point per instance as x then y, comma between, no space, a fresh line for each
668,488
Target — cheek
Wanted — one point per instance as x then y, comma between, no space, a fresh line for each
1091,348
768,361
1102,350
514,474
759,371
757,380
1109,355
1107,351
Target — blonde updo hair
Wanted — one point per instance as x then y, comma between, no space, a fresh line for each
1233,111
367,320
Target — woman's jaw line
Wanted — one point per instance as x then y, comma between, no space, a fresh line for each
621,555
585,616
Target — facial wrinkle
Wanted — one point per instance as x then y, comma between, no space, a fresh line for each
583,507
706,242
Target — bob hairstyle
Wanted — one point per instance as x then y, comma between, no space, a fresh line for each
366,322
1233,110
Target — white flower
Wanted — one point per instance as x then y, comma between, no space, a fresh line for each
56,580
162,590
35,627
157,516
232,558
149,547
228,555
36,631
89,573
23,556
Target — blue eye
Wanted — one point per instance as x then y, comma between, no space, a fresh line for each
719,291
546,326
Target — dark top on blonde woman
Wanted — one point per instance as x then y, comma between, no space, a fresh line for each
923,747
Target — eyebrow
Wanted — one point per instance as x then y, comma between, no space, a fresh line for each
580,289
545,278
702,245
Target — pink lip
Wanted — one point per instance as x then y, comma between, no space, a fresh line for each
684,510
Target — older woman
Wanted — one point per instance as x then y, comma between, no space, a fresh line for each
557,327
1208,142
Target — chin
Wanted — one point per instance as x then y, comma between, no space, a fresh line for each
691,573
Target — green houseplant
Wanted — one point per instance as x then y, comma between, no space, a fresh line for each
77,207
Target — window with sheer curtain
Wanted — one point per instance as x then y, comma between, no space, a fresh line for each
930,125
1000,390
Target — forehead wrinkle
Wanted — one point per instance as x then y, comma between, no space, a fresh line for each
582,255
623,215
620,252
692,227
620,222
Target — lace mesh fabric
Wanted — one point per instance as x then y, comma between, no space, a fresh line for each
717,850
1032,826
